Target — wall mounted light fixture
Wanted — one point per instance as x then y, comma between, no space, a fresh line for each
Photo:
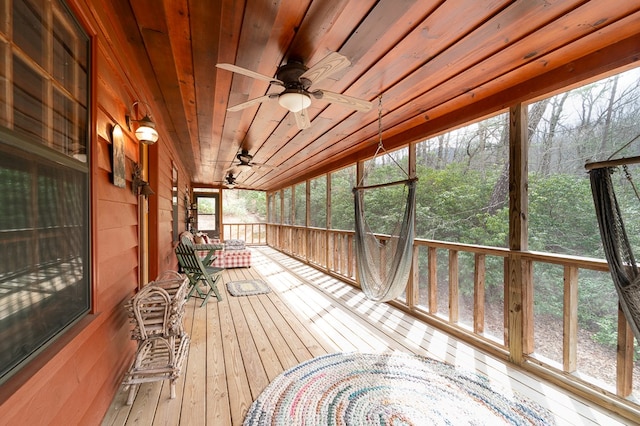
140,186
146,129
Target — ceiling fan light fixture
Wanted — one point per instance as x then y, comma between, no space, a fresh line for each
294,100
243,167
244,156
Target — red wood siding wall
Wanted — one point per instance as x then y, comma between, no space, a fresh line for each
74,380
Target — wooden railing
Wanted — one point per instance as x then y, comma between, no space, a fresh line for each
30,249
251,233
461,287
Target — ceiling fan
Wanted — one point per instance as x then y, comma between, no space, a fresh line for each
230,181
297,79
245,162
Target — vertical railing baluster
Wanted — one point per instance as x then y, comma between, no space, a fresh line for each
454,288
570,320
432,256
478,292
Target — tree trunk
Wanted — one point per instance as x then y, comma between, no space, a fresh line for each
607,120
547,141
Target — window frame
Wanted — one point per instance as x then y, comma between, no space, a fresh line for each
59,157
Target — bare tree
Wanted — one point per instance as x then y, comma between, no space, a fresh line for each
500,193
557,104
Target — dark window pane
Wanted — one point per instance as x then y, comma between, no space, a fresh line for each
43,270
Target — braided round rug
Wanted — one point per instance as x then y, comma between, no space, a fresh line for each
388,389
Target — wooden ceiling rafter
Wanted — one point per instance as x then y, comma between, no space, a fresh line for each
230,24
180,42
203,34
528,66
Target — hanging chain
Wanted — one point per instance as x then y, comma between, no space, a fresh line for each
380,146
628,176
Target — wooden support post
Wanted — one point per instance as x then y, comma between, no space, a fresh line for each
329,246
518,281
624,361
307,221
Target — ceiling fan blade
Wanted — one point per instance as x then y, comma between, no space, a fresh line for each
350,101
251,102
302,119
330,64
249,73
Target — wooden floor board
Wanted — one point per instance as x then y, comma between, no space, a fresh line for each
193,403
217,396
279,336
240,344
236,375
251,360
259,330
314,343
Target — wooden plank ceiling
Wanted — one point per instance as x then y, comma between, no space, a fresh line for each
427,59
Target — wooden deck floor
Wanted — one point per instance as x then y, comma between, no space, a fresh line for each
240,344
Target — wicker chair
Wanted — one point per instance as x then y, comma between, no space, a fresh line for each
162,343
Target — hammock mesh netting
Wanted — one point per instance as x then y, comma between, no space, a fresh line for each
617,248
384,264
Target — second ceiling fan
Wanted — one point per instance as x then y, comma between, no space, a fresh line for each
297,79
245,162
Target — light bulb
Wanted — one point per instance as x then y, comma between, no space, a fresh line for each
294,101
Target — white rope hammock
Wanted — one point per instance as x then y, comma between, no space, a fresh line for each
384,264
